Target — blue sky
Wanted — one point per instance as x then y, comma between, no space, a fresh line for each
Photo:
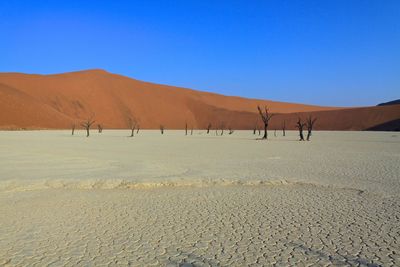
325,52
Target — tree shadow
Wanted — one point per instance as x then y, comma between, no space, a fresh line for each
275,139
191,259
352,260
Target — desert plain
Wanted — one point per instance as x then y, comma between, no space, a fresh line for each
199,200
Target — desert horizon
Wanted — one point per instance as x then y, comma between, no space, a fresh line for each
199,133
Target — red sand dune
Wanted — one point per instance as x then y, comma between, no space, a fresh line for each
58,101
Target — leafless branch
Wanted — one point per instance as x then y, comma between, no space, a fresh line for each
87,124
266,117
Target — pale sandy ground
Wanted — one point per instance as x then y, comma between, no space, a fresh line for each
199,200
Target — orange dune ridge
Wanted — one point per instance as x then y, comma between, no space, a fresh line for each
57,101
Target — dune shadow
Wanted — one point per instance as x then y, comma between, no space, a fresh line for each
393,125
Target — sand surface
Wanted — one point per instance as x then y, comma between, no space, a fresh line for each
199,200
29,101
56,101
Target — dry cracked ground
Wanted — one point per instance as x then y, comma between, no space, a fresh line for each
281,225
199,200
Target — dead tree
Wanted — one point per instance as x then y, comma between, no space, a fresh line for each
100,128
259,131
265,116
138,128
255,128
284,128
132,126
231,131
310,124
73,128
87,124
222,126
300,125
208,128
186,128
162,129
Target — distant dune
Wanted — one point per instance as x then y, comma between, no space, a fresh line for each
393,102
57,101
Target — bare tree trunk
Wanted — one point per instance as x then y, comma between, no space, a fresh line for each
284,128
265,131
191,131
308,134
300,126
137,131
73,129
87,125
132,125
186,128
222,126
162,129
265,116
301,135
310,124
100,128
208,128
255,127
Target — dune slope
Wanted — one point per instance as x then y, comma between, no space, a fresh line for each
57,101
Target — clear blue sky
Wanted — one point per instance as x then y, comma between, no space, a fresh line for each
327,52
